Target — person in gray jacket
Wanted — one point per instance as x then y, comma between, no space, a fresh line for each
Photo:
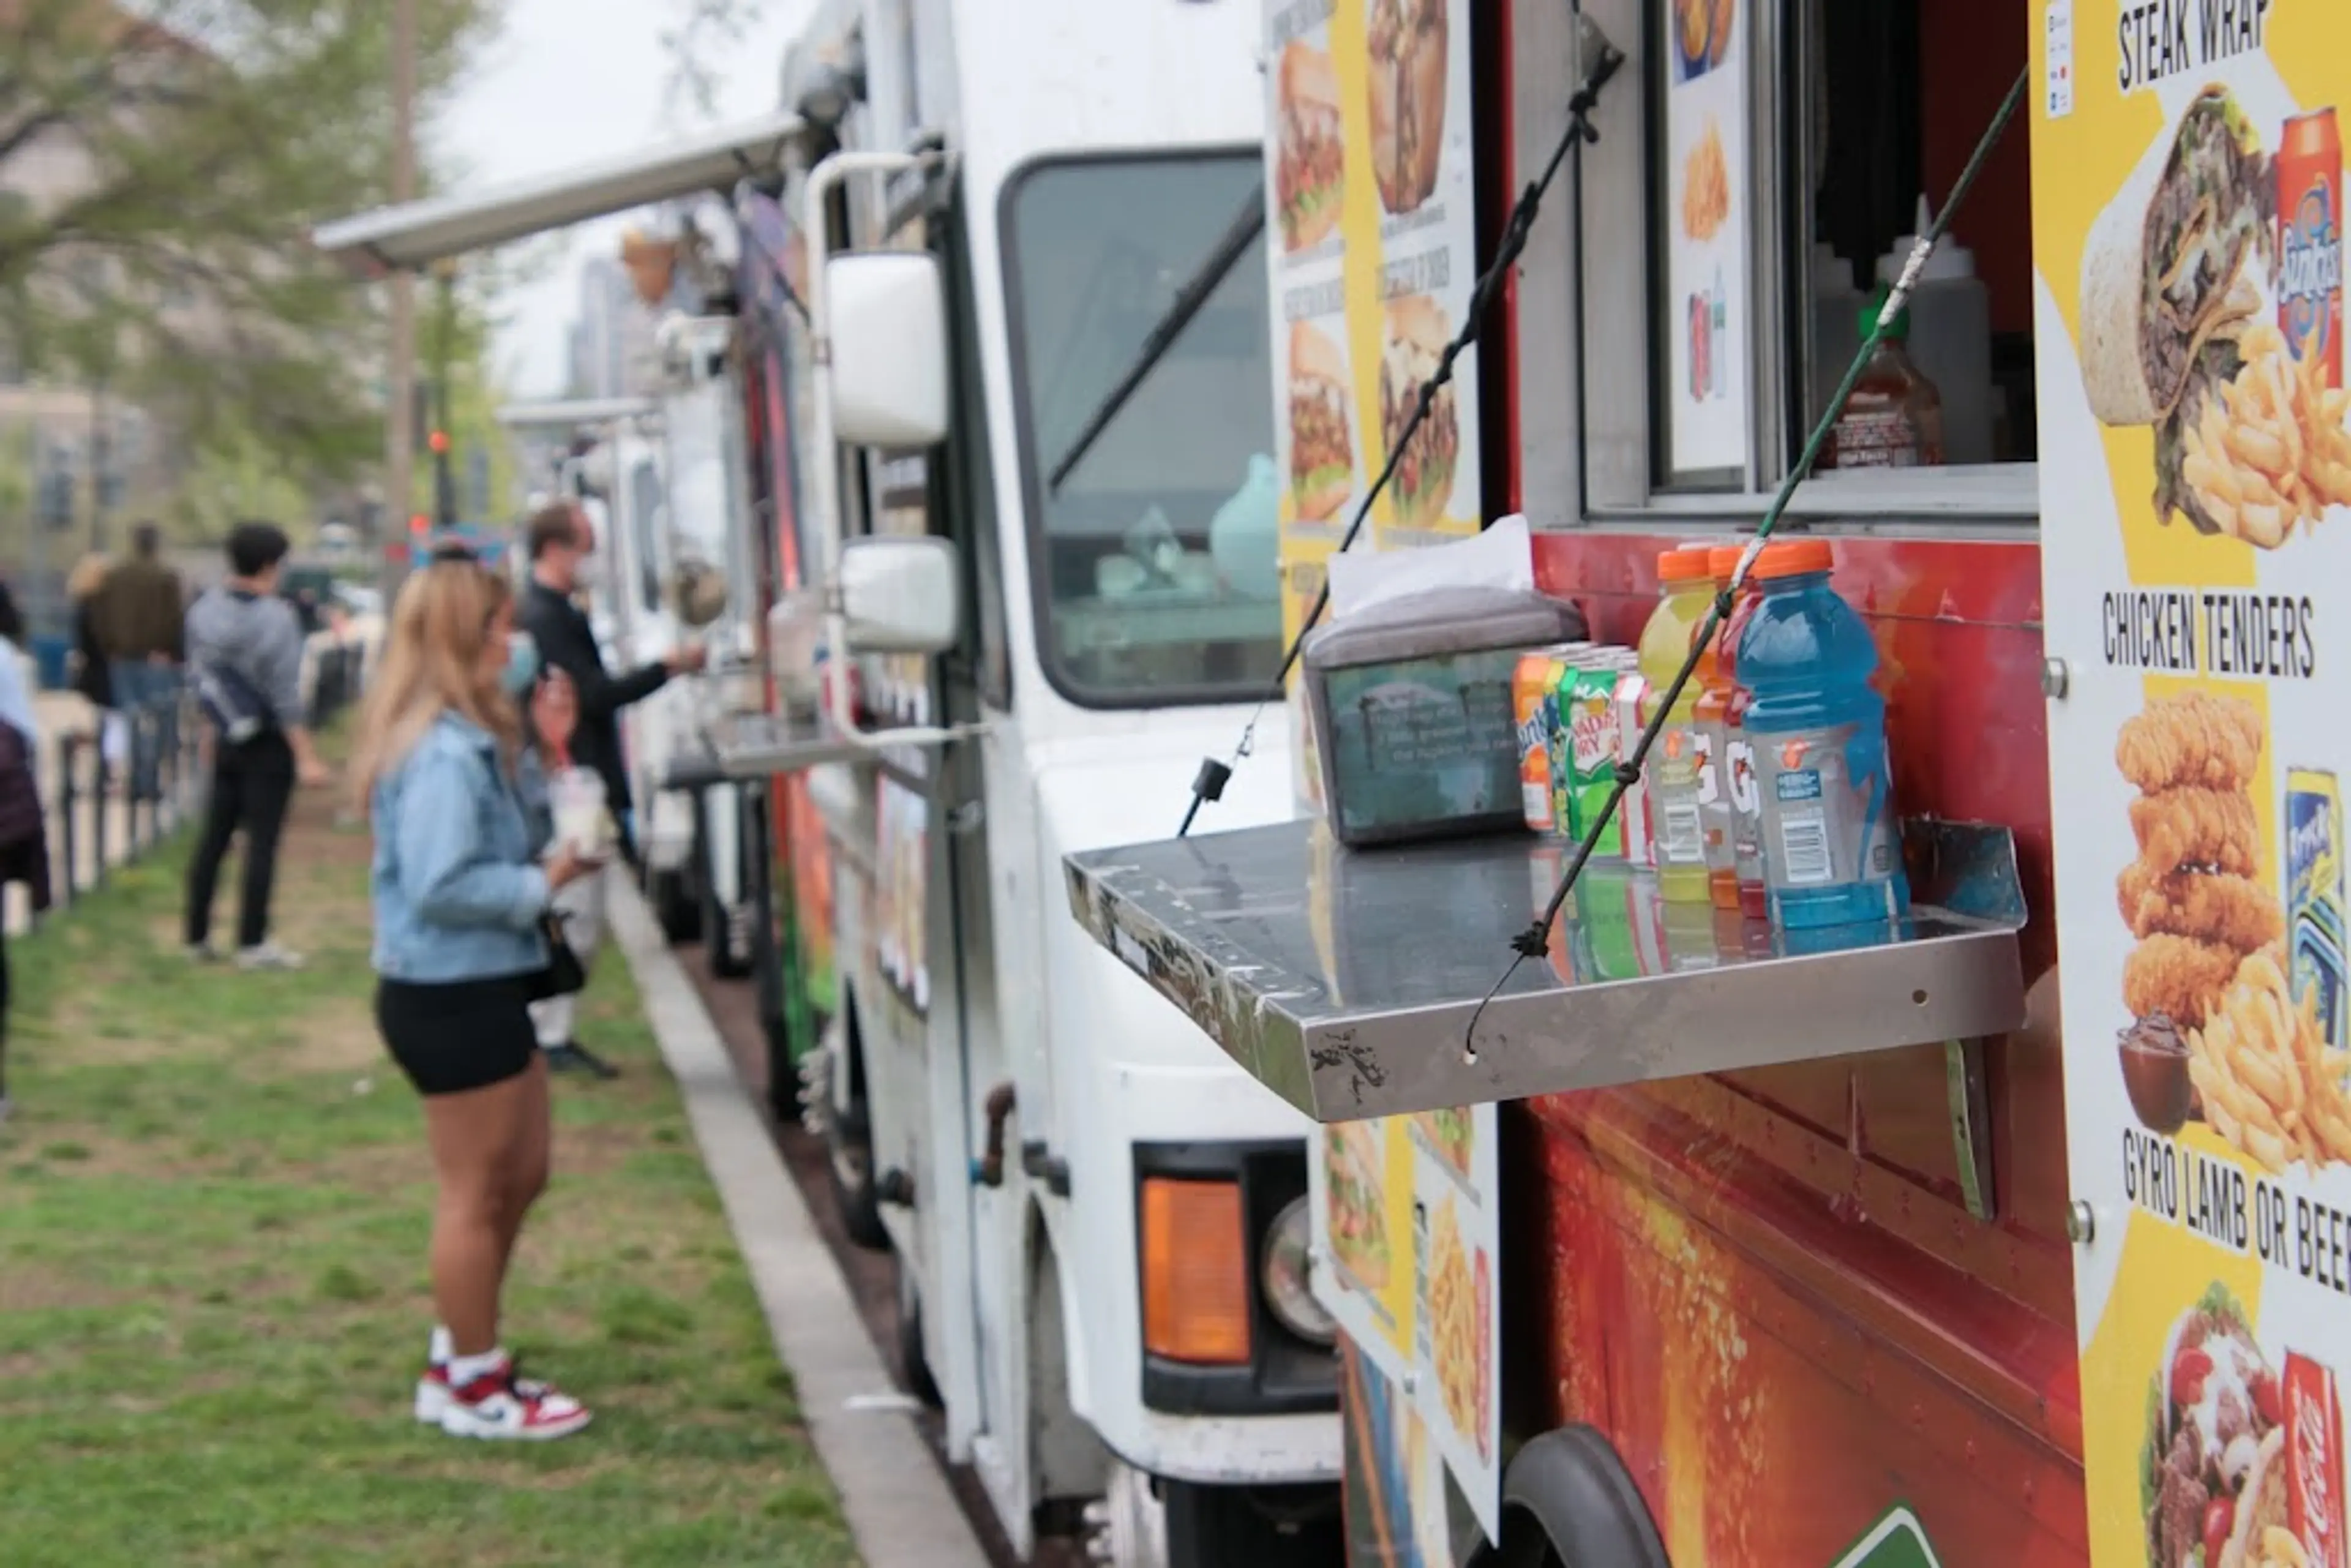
243,635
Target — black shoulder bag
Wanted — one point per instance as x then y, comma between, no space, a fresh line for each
565,975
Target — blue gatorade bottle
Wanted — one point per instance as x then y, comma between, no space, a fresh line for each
1832,845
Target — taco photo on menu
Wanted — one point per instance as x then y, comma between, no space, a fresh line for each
1407,48
1310,156
2212,1475
1415,333
2161,271
1359,1225
1321,452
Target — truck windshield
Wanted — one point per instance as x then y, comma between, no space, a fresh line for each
1155,570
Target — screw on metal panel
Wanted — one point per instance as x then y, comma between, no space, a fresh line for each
2080,1223
1411,1383
2055,677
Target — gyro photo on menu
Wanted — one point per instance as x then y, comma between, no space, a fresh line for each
1417,331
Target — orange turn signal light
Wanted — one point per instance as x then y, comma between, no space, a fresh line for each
1196,1272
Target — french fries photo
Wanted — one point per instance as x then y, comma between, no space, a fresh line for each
2271,1089
2269,453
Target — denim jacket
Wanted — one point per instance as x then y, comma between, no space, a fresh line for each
457,888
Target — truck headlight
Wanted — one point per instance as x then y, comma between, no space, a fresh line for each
1285,1274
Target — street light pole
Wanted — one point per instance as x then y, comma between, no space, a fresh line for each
444,481
401,371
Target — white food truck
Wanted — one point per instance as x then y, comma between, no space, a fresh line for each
1032,425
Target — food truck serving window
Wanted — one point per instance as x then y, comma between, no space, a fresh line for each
1137,605
1773,172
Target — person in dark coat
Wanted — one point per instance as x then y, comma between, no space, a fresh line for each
93,676
23,828
560,538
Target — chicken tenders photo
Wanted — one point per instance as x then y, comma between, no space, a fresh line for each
2193,826
2177,976
2227,911
2190,739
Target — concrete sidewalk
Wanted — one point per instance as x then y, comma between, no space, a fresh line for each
897,1501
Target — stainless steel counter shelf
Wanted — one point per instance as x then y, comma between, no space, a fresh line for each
1345,980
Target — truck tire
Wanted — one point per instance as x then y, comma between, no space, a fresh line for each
1213,1526
848,1173
676,905
1568,1501
914,1362
727,959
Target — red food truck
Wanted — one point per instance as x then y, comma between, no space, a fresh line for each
1904,1253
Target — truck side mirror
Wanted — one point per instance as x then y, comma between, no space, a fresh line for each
900,595
888,323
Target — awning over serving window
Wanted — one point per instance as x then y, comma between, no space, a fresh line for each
415,235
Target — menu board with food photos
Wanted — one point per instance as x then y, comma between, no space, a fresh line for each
1708,329
2196,505
1372,237
1408,1229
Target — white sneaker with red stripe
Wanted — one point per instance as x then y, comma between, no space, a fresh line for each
498,1405
432,1392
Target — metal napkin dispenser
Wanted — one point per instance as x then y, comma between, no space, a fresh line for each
1411,706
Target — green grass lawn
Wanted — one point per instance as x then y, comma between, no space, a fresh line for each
214,1200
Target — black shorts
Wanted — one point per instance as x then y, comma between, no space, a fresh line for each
459,1035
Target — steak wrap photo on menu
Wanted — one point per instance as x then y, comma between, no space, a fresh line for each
1311,167
1358,1216
2212,1476
1321,452
2161,268
1415,335
1407,47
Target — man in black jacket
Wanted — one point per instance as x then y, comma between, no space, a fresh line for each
560,538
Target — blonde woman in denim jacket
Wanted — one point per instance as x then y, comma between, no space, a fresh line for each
459,894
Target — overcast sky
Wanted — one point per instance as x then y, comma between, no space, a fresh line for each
554,91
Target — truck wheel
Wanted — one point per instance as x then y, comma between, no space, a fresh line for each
1209,1526
676,904
727,960
849,1172
914,1362
1568,1501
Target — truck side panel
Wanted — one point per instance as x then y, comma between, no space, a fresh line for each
1745,1281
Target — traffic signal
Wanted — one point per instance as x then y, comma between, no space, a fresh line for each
420,525
439,441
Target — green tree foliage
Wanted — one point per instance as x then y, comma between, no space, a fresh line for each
163,165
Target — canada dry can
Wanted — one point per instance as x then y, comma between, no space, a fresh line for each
2310,240
2313,848
1529,705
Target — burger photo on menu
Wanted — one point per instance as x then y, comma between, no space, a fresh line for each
1357,1214
1415,333
1311,166
1407,40
1321,450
